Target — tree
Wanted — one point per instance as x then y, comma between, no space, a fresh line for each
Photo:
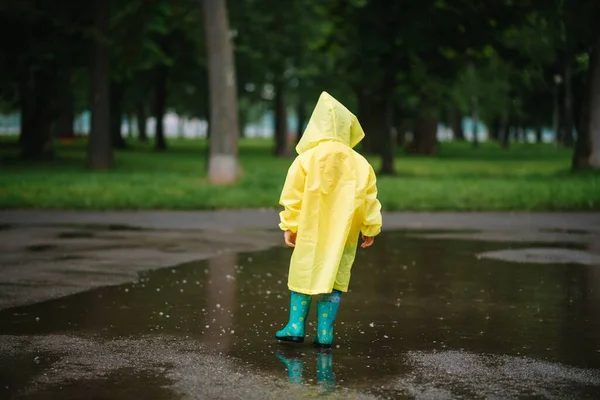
224,127
594,106
99,154
279,67
586,152
160,104
39,57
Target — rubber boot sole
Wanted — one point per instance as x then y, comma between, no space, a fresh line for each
291,339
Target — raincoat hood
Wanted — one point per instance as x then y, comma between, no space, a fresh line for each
330,120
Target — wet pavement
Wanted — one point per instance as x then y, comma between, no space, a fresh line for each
427,317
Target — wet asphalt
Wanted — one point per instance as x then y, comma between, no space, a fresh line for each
426,317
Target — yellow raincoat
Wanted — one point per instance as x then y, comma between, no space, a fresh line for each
330,197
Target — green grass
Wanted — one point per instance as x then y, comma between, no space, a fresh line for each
525,177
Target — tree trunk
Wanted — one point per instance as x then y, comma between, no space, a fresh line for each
375,111
400,126
208,147
129,126
456,125
386,142
495,129
400,135
520,133
367,121
66,115
301,114
582,149
568,110
538,134
224,127
99,153
504,132
594,105
243,118
475,120
160,103
37,95
180,127
282,147
556,123
142,117
425,135
117,92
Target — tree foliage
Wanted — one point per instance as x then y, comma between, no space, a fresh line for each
401,66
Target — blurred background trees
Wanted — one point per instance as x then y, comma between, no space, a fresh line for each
415,72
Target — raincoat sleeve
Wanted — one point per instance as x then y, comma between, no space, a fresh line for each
372,214
291,197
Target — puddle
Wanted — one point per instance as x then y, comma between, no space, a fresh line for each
545,255
37,248
101,227
76,235
424,317
570,231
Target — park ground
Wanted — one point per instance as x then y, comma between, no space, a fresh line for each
183,304
460,178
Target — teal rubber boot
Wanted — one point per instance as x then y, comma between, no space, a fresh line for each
294,330
327,309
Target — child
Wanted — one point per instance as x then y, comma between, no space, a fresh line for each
330,198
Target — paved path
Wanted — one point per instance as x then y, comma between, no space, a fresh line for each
266,219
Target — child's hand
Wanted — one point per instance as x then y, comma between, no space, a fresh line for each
367,241
290,238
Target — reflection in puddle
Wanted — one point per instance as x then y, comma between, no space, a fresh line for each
416,309
294,362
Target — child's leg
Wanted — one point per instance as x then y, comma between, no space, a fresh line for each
327,308
294,330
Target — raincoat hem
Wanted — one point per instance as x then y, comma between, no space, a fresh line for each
311,292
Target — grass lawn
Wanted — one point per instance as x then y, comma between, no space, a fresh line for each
525,177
